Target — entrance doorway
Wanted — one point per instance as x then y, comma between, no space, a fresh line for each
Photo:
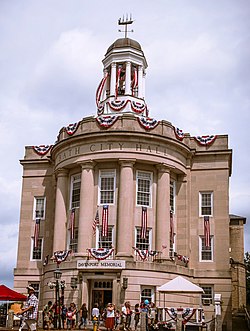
102,293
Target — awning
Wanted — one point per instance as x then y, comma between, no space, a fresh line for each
180,285
6,294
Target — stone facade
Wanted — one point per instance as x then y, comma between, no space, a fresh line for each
142,170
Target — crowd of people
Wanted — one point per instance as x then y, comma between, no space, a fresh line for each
128,318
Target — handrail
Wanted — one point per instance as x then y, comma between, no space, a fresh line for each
247,318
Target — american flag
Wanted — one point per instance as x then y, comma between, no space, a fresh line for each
135,80
207,231
118,79
144,222
72,224
105,216
95,222
171,227
36,233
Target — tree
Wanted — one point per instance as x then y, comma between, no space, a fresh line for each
247,264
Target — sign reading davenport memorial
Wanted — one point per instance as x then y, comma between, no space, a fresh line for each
102,264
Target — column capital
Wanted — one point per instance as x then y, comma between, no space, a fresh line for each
127,163
113,64
61,172
163,168
89,164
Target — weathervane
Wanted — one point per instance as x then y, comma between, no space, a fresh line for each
125,22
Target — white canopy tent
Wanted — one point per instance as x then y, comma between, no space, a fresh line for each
179,285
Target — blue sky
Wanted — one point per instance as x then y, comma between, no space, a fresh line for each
198,79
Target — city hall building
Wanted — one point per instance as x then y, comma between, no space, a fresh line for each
122,203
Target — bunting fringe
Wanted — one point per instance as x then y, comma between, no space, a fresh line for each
148,123
60,256
42,149
106,121
179,133
71,128
100,253
205,140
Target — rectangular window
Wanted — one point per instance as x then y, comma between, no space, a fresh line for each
206,203
147,293
75,191
143,188
36,254
104,242
206,253
141,243
172,196
107,187
172,247
207,296
36,287
73,242
39,208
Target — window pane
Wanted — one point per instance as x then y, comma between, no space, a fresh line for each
172,196
107,187
105,242
39,212
208,292
206,204
143,188
206,252
140,242
146,294
37,253
73,245
75,201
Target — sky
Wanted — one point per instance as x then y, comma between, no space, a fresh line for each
198,78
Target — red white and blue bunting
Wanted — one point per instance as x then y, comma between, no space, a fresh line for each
60,256
118,105
205,140
106,121
187,313
138,107
182,258
100,90
147,123
71,128
143,253
179,133
100,253
42,149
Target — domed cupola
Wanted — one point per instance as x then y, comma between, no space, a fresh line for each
122,89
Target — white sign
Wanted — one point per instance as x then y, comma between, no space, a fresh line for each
102,264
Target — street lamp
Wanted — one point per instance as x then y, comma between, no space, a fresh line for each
57,275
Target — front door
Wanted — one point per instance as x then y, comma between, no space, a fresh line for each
102,293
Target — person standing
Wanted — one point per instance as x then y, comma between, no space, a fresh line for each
48,315
30,310
137,315
83,316
95,315
110,317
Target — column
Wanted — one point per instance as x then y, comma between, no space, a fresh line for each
125,222
113,79
163,210
86,207
60,224
128,78
140,82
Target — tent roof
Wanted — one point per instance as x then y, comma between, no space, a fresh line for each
180,285
6,294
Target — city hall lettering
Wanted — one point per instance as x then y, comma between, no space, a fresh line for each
93,264
112,146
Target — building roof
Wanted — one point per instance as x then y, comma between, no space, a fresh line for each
237,217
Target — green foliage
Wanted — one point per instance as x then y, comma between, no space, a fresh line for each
247,264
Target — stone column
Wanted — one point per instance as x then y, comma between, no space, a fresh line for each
163,210
140,82
125,222
113,79
128,78
86,207
60,225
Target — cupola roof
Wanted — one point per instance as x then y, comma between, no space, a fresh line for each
124,42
